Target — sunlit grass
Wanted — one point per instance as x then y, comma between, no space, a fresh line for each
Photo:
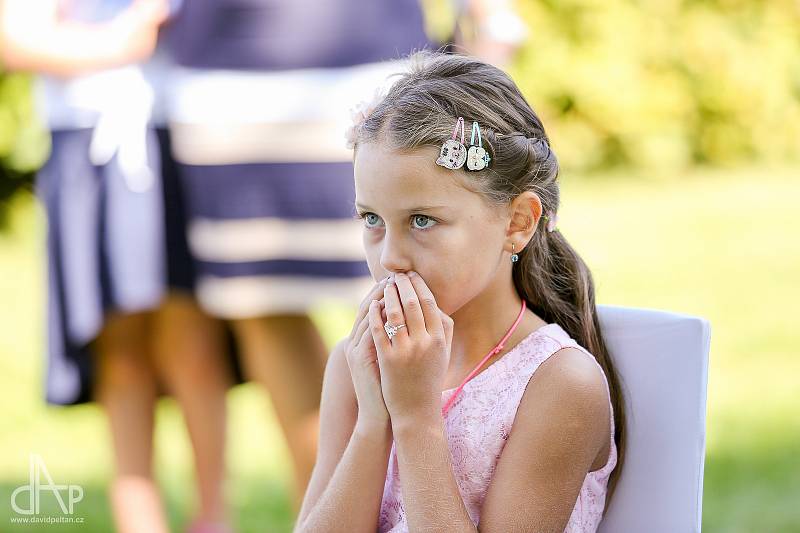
719,244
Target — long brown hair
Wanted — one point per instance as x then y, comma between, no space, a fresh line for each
420,109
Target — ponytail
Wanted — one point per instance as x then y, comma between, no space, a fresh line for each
558,286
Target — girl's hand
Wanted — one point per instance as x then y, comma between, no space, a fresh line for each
364,371
414,363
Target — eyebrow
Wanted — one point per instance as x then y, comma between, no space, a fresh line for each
412,210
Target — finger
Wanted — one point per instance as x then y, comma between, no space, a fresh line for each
447,323
361,327
379,337
415,321
365,340
383,310
375,292
430,309
364,324
394,310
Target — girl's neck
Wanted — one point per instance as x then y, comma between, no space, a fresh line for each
482,322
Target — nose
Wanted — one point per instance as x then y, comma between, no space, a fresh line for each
394,259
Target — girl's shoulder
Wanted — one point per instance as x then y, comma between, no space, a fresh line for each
570,374
568,388
563,416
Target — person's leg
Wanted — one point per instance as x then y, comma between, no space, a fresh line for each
127,390
190,355
287,355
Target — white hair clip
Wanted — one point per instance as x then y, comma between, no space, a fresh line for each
477,158
453,154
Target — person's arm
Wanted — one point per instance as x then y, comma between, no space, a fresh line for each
561,425
346,487
431,498
491,30
32,38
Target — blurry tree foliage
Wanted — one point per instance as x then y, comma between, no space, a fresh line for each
664,84
23,141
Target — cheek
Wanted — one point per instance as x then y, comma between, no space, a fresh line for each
455,279
463,270
372,254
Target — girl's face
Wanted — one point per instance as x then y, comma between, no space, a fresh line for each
417,216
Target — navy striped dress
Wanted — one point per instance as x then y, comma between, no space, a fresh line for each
258,115
116,238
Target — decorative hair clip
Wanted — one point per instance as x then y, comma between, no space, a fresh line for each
453,153
359,114
477,158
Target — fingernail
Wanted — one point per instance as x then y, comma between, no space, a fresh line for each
412,274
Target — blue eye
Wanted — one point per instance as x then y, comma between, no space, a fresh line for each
371,219
422,220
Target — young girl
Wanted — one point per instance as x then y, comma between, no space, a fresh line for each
475,392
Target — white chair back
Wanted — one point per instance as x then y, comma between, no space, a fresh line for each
662,360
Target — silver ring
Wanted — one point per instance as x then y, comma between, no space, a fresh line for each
391,331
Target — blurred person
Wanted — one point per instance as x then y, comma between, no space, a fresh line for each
489,29
257,116
121,318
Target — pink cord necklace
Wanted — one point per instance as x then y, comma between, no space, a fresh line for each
495,350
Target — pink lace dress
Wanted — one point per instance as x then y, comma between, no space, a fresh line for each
478,424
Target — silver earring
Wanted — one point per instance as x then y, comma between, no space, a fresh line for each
514,256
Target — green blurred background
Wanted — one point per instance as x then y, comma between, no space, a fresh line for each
677,123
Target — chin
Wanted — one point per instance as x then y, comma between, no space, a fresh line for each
449,308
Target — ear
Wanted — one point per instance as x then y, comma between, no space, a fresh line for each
525,211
